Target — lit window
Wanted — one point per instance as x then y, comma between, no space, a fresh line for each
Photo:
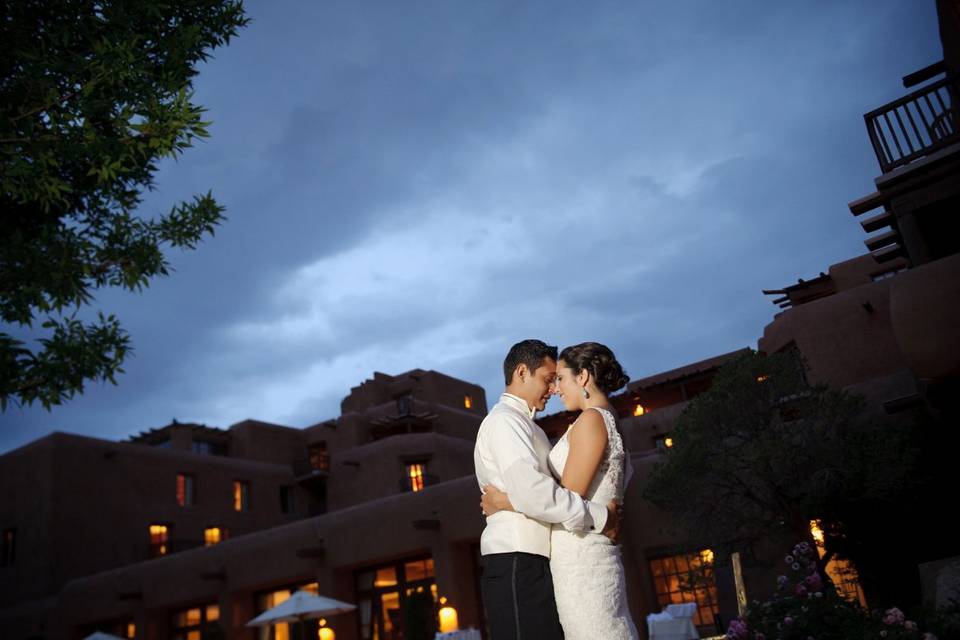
687,577
130,631
185,490
319,458
415,476
762,378
241,495
282,630
192,623
214,535
159,540
467,402
9,547
662,443
639,410
840,570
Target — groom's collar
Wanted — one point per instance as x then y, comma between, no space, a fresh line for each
519,403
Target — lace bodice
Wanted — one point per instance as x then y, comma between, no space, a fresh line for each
614,470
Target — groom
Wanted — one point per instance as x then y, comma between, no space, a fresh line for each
511,454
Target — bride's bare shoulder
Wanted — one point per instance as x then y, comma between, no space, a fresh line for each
589,426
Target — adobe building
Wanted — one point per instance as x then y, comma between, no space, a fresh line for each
190,531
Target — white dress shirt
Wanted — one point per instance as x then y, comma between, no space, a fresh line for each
511,454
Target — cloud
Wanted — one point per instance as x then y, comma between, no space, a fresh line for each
421,186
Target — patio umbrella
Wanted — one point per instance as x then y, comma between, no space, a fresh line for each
301,606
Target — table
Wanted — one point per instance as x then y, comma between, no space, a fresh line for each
462,634
671,629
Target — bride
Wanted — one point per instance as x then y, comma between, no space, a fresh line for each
588,576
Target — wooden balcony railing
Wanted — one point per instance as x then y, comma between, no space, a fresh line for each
916,125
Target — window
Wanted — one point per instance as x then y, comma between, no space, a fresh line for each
214,535
383,592
883,275
662,443
185,490
122,628
196,623
840,570
287,500
8,547
319,458
467,402
687,578
415,476
241,495
284,630
207,448
159,540
405,404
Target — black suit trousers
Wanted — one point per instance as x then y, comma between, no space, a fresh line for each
518,596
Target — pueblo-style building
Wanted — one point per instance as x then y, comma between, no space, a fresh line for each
189,531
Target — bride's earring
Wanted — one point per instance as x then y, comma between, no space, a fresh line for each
586,394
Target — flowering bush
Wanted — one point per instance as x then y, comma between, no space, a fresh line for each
803,609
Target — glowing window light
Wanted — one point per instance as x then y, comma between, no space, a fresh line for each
840,571
415,473
639,410
213,535
159,539
467,402
668,442
241,495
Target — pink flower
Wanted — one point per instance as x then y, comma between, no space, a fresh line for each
910,625
814,582
893,616
788,620
800,590
737,629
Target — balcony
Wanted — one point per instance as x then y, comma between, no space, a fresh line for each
402,423
917,143
916,125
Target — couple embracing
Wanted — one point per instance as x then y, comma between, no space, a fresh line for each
551,566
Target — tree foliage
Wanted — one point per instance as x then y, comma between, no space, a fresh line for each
93,94
762,453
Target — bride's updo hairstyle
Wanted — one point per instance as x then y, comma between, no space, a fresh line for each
600,362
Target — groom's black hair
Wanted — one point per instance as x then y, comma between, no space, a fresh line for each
528,352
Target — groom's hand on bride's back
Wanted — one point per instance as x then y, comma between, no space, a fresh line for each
614,517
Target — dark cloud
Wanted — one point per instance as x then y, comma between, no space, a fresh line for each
421,186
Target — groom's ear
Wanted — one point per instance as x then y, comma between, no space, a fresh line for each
521,372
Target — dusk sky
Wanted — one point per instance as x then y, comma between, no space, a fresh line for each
422,184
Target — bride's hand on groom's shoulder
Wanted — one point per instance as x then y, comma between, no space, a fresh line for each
614,519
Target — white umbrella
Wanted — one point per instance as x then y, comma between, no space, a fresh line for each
100,635
301,606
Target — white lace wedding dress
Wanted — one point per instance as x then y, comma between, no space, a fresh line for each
587,568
